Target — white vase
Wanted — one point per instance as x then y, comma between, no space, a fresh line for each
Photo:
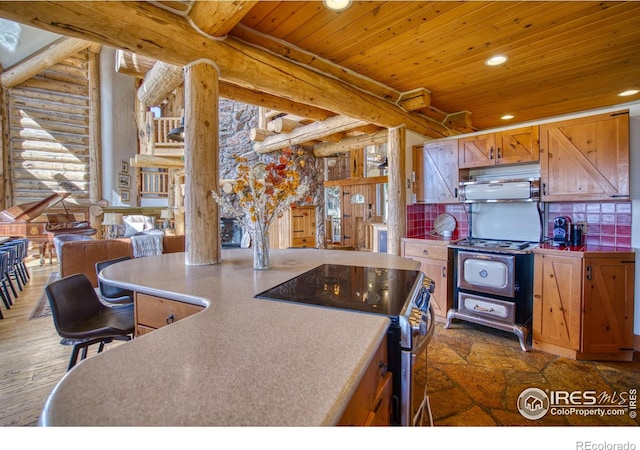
260,250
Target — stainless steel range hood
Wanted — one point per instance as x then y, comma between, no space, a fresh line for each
497,191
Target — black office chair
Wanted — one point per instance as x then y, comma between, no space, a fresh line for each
82,320
112,294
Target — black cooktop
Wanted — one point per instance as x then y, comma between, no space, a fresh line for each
366,289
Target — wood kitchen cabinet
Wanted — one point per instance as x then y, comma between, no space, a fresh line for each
153,312
585,158
436,262
370,404
516,146
296,228
435,166
583,304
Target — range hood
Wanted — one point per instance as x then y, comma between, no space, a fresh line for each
494,191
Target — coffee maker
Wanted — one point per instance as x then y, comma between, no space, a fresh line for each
561,231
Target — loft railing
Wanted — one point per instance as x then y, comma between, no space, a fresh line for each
154,184
157,143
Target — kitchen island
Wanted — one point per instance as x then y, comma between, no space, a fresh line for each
242,361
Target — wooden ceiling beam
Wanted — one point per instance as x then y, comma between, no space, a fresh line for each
156,162
156,33
159,83
130,63
218,18
348,144
52,54
307,133
166,84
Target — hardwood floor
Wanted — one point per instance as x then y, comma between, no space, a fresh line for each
32,360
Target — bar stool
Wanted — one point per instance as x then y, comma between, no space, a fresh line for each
10,272
81,319
24,253
4,293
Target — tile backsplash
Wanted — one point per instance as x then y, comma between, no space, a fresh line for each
608,223
420,219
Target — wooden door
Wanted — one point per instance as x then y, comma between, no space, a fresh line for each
418,173
520,145
477,151
586,158
608,305
557,298
303,226
440,166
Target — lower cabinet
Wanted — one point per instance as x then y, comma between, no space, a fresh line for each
371,402
583,304
436,262
153,312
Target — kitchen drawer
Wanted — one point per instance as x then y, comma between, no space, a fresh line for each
303,242
156,312
371,402
425,250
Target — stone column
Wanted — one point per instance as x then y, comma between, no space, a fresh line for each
202,222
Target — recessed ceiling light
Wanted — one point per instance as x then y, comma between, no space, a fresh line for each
337,5
628,93
496,60
507,117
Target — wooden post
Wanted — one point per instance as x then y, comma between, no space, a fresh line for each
396,221
95,135
6,150
202,221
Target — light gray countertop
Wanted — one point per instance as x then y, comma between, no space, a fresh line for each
241,361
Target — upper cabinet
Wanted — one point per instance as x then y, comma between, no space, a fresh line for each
519,145
436,172
585,158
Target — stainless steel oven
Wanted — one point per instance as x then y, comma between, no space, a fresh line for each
493,267
402,295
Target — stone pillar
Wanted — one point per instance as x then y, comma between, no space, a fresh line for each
397,218
202,222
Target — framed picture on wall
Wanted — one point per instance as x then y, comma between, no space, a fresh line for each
124,167
124,181
124,195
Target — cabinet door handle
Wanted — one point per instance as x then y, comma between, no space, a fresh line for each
444,272
425,252
171,319
544,188
589,274
499,156
491,153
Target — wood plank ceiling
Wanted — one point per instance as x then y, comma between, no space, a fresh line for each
564,57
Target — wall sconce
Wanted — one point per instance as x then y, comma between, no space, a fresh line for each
110,220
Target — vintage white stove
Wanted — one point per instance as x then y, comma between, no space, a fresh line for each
493,267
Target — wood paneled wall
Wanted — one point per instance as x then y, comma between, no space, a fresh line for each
49,133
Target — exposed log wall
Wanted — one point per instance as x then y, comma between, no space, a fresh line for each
49,133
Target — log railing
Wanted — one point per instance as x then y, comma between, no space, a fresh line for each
157,142
154,184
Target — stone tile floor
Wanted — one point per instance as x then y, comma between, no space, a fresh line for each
475,374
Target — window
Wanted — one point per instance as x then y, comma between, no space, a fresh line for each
375,160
